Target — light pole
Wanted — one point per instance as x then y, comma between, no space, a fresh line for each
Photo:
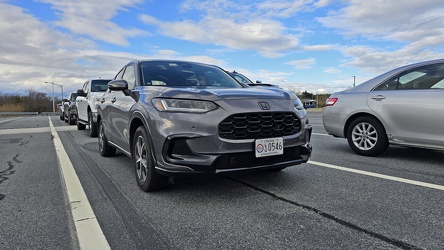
354,81
53,103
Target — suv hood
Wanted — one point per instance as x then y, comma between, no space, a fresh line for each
221,94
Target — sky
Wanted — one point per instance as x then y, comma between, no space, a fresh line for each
319,46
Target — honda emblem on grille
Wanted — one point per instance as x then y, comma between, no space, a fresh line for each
264,105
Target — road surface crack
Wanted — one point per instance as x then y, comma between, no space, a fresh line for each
394,242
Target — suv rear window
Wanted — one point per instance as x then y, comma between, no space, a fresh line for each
99,85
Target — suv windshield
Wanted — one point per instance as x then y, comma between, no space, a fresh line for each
184,74
241,78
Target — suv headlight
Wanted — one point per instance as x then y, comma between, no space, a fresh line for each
299,108
183,105
298,104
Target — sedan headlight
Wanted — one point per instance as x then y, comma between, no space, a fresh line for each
183,105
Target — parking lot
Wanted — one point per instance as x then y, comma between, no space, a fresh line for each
338,200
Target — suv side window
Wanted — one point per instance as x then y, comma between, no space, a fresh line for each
85,87
119,75
427,77
129,76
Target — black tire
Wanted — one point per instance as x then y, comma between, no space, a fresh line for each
71,121
92,126
366,136
104,148
62,116
80,126
146,175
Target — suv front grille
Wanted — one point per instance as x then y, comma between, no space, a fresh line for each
249,160
259,125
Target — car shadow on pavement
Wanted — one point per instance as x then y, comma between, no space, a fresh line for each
419,155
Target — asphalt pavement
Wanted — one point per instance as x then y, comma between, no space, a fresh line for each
338,200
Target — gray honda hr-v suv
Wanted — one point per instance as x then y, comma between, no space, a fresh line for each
177,117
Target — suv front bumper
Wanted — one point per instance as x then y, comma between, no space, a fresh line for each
179,155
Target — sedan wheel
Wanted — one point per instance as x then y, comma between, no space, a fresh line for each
366,136
147,177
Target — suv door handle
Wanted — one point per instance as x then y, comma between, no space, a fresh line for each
113,100
102,100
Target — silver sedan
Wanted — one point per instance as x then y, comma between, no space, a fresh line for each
404,106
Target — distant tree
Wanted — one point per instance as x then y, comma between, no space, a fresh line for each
294,90
306,95
17,99
11,103
37,101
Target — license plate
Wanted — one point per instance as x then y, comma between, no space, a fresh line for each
268,147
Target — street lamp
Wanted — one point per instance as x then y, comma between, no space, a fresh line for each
53,103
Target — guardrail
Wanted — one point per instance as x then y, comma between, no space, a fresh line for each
19,113
50,113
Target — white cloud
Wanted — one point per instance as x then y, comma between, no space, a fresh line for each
415,29
322,3
240,25
332,71
321,47
93,18
372,60
266,36
282,9
32,53
302,64
390,20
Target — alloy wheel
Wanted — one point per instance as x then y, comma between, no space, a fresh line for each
364,136
141,159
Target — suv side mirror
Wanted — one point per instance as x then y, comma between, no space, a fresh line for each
258,81
122,85
118,85
80,92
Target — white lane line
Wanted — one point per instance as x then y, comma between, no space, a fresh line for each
13,131
8,120
382,176
89,233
